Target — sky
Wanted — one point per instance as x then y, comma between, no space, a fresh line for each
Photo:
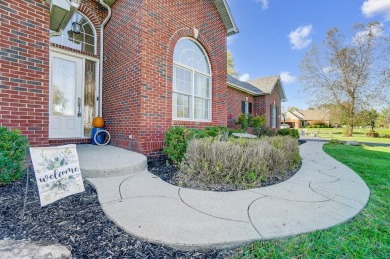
274,35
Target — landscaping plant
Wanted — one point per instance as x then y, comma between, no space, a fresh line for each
242,163
289,132
177,137
12,155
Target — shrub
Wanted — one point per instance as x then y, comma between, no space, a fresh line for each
177,137
258,123
372,133
289,132
385,136
239,162
244,121
317,124
334,141
255,123
12,155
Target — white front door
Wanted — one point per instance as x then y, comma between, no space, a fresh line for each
66,101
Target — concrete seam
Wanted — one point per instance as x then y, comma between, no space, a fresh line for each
249,216
330,199
234,220
270,196
120,185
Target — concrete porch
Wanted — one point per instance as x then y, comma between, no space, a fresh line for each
109,161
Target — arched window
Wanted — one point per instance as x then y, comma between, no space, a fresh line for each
83,41
191,82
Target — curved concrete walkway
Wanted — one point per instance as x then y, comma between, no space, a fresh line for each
322,194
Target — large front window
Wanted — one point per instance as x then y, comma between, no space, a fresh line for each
191,82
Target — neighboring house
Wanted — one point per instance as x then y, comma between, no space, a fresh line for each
301,118
141,65
259,96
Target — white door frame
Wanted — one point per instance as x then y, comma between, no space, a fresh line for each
57,52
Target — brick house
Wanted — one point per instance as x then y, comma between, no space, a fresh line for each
301,118
163,64
257,97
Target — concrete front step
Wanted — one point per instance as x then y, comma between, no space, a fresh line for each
108,161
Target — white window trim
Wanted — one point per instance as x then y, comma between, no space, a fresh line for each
273,118
246,107
192,95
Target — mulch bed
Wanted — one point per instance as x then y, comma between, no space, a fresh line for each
161,167
78,223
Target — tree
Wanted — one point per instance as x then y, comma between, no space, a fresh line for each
367,118
384,118
349,75
230,65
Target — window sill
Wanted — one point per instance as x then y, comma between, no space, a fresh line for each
188,120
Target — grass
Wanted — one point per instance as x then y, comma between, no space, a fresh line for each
366,236
358,134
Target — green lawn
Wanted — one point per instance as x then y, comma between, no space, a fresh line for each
366,236
358,134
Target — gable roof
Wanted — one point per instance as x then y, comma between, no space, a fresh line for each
312,115
293,115
267,85
243,86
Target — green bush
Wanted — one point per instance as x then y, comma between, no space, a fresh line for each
288,132
334,141
12,155
244,121
239,162
372,134
317,124
177,137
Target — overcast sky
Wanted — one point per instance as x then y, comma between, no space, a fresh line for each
275,34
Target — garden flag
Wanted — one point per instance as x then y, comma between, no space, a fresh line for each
57,172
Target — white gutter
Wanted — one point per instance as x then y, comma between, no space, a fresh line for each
233,30
100,112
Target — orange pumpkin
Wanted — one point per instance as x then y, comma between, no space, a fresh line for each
98,122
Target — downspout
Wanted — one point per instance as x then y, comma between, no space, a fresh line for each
100,112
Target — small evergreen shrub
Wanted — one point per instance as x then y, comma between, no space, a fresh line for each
12,155
177,137
288,132
240,162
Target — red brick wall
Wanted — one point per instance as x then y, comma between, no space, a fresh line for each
261,104
234,99
122,75
140,39
24,68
